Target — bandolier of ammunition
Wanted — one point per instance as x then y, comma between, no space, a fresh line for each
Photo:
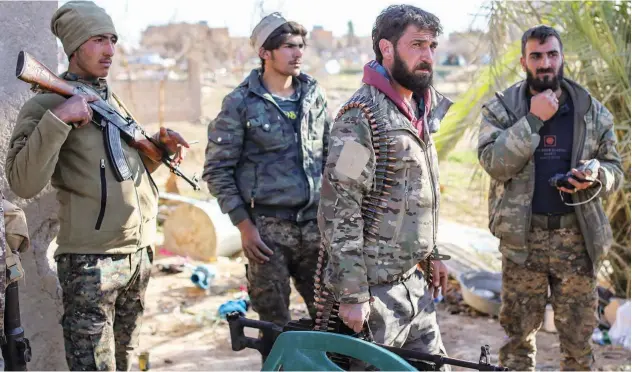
325,302
428,271
373,206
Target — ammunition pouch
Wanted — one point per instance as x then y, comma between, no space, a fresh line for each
17,238
15,271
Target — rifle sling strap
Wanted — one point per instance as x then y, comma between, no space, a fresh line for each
114,150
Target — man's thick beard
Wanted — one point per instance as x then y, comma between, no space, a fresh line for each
409,80
539,85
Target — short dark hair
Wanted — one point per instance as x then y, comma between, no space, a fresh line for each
540,32
393,21
280,36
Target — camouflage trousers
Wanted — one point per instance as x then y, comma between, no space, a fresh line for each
103,304
403,315
557,258
295,247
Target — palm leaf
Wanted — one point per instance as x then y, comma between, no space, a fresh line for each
467,108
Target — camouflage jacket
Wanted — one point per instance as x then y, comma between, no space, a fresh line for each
379,202
506,144
255,160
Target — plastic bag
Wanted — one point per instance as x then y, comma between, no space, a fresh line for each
620,330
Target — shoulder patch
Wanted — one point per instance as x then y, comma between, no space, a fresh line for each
353,158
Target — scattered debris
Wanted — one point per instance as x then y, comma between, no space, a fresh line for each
601,337
620,330
230,306
165,252
170,268
202,275
198,229
549,320
609,314
143,361
453,300
481,290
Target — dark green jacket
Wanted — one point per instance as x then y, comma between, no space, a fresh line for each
97,214
255,160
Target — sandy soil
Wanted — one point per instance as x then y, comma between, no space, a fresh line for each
182,332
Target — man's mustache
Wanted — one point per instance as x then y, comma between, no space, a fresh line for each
424,66
544,71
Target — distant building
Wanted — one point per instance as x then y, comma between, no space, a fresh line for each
213,46
322,39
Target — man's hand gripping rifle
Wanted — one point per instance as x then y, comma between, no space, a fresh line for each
270,331
114,125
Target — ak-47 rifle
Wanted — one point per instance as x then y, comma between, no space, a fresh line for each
270,331
113,124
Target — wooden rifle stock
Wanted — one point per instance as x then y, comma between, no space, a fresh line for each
31,71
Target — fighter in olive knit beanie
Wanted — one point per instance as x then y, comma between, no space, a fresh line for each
264,28
77,21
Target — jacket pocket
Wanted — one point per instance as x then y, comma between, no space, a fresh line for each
266,135
104,195
220,137
495,201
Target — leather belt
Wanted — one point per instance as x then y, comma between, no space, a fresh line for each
554,222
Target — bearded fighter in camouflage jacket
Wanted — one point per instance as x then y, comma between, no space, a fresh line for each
380,195
549,237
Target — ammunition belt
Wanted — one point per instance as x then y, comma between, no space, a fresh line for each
373,206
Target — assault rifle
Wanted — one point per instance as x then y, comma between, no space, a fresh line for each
113,124
270,331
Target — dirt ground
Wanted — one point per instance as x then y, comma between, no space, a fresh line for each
182,331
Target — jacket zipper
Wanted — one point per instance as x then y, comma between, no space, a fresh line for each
140,212
530,215
299,147
310,193
406,188
253,192
580,147
104,195
434,195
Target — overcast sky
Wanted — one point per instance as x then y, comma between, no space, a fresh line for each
131,17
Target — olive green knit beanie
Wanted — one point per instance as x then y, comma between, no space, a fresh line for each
77,21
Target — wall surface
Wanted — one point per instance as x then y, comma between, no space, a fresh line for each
24,25
182,99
